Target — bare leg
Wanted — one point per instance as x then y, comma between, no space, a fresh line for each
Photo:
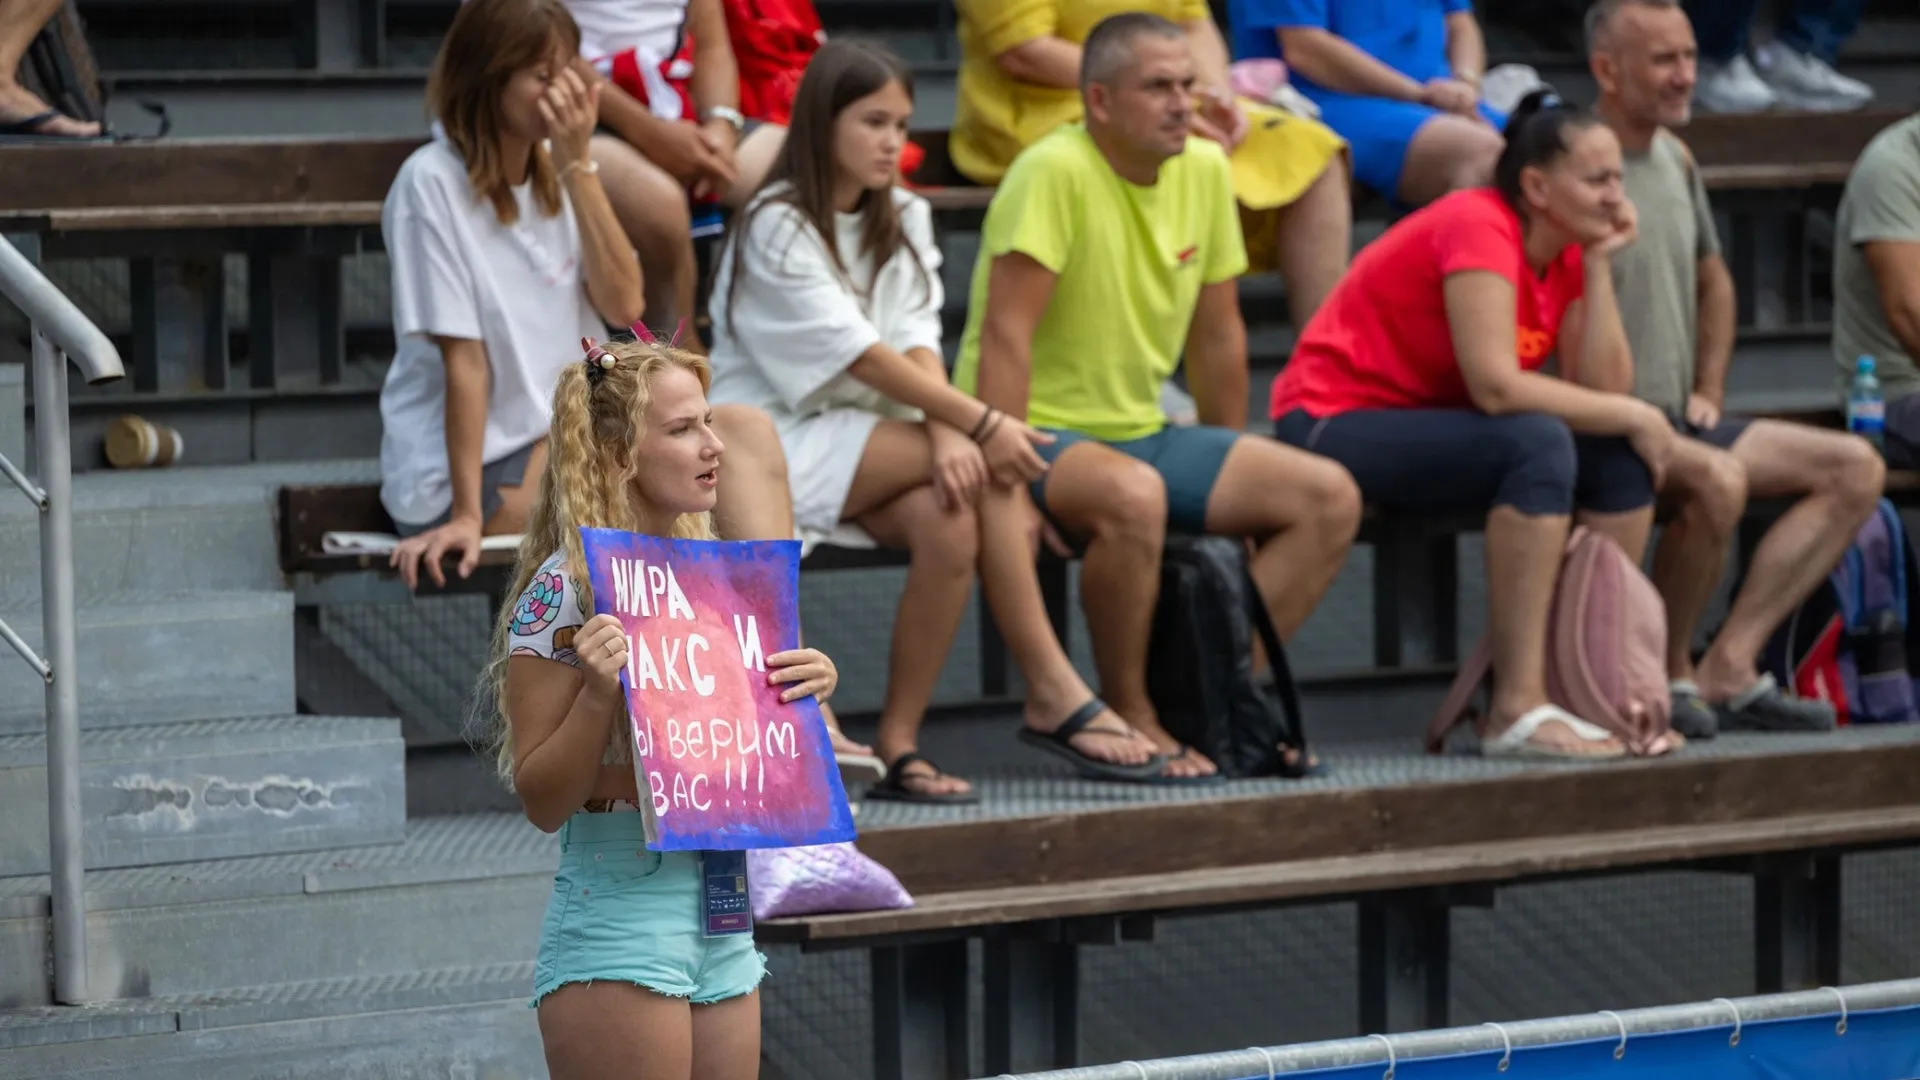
1315,236
1300,510
754,157
755,503
1629,530
617,1031
1523,563
1712,491
20,21
726,1039
1448,153
1841,478
893,498
1054,688
1120,506
652,208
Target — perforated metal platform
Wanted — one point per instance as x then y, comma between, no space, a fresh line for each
1045,789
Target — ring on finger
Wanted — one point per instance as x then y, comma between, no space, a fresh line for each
613,646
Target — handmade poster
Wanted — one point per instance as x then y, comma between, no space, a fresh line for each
721,762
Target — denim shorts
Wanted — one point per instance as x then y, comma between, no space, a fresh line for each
1188,459
621,913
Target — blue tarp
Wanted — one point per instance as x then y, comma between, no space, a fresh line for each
1879,1045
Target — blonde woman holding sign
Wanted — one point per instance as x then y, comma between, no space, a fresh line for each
628,983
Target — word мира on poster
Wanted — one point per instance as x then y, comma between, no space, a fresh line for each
721,758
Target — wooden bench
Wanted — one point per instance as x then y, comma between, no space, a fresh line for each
175,207
1036,889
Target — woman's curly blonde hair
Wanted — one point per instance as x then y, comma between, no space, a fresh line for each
599,416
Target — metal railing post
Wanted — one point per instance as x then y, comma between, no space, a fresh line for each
65,824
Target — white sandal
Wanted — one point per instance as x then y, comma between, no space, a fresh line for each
1517,741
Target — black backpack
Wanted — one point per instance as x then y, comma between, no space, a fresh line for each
1200,663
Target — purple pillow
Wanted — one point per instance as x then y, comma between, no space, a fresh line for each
820,880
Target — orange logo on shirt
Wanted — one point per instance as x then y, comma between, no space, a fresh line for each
1533,344
1186,256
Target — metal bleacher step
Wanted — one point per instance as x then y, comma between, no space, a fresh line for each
357,1025
153,659
453,891
181,529
208,789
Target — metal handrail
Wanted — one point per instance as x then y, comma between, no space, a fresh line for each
52,314
60,332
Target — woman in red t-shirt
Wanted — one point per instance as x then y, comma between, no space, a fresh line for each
1421,374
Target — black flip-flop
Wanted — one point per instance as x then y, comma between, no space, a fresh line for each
894,788
1202,780
26,129
1057,742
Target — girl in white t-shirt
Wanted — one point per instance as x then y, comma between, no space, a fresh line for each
826,313
502,245
626,980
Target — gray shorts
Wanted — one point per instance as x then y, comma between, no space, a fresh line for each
1903,432
508,472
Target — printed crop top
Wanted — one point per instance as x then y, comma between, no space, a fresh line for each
549,612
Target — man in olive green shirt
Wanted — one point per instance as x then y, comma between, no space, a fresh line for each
1677,305
1876,280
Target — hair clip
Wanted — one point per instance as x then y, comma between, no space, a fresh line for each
599,361
642,334
1551,100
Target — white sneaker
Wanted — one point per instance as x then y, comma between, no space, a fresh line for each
1808,82
1732,87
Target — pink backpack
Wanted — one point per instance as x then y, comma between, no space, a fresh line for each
1606,649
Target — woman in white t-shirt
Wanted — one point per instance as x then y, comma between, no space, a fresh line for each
826,313
503,249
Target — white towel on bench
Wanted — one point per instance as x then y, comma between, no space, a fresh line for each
845,535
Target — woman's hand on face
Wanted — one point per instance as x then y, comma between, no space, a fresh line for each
571,108
601,645
1626,229
808,670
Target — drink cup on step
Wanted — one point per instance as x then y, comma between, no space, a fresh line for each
137,443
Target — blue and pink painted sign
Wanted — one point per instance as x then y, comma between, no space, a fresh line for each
722,762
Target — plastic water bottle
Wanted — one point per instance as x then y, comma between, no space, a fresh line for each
1866,409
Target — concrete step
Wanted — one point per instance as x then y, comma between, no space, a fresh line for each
212,789
165,530
460,1021
131,651
459,891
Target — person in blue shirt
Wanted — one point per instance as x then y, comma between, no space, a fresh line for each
1399,79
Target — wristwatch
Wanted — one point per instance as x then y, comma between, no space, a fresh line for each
728,113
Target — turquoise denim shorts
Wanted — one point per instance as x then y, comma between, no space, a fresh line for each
621,913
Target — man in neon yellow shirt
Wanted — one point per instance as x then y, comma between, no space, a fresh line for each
1112,246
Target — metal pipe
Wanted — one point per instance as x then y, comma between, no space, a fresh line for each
65,824
51,313
27,487
1346,1053
26,652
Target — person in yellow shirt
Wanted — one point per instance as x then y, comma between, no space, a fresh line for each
1019,79
1111,247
